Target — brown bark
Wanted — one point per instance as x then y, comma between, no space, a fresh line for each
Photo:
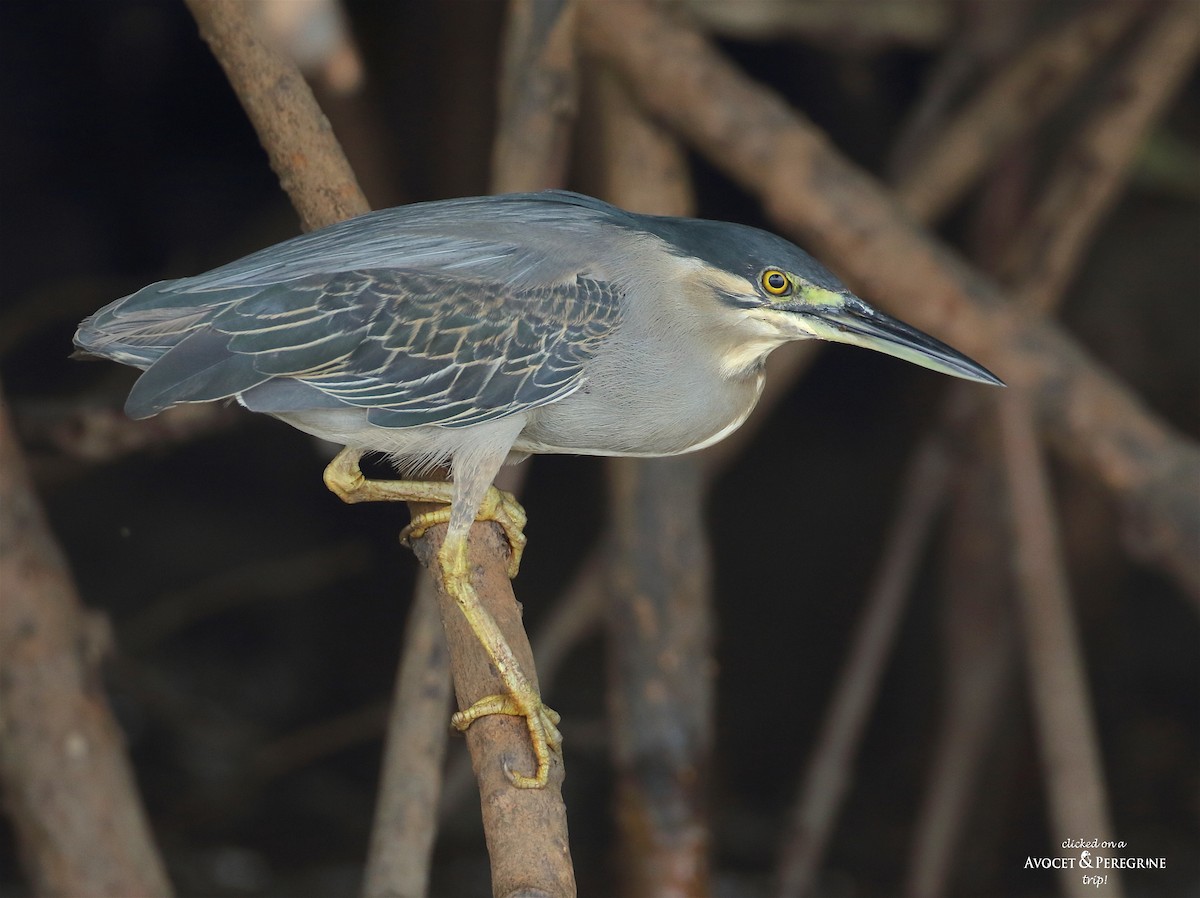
852,222
1011,105
660,664
526,829
414,747
660,676
300,145
67,784
1071,763
538,95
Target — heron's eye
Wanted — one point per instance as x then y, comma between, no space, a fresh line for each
776,282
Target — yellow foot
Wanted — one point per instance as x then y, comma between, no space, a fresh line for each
498,506
541,720
345,480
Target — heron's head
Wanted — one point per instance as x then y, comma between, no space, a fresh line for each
772,292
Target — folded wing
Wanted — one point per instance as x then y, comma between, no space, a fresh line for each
411,347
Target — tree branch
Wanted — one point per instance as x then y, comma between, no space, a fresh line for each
526,828
818,197
660,613
538,96
414,748
68,786
1071,764
1013,103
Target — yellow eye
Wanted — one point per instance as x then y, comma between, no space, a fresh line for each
776,282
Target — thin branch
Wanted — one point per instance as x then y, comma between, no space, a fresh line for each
1072,768
660,662
302,149
827,775
1092,171
68,785
307,745
979,635
526,829
538,96
412,795
415,745
986,31
1091,419
971,718
257,581
1013,103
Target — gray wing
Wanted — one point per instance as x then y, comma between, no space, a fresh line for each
411,347
521,239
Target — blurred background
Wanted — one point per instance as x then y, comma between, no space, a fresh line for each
257,620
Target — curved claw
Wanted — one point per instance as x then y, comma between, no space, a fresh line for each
498,506
541,720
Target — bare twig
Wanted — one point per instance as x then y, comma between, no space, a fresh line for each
304,154
526,829
1067,731
67,783
577,613
986,31
259,580
406,814
104,433
828,773
659,613
411,794
1092,420
306,745
1092,171
980,658
520,824
1012,104
538,95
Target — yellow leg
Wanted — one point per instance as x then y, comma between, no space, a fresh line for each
346,480
521,699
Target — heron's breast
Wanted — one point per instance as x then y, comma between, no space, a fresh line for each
660,414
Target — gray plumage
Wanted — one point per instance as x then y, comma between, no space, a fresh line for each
407,329
481,330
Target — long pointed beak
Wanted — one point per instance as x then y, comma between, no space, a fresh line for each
844,318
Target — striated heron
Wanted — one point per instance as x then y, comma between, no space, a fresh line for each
474,332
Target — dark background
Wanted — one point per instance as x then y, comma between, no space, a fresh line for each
126,159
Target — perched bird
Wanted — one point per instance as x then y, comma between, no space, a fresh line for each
472,332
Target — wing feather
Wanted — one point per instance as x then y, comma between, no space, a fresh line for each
410,347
